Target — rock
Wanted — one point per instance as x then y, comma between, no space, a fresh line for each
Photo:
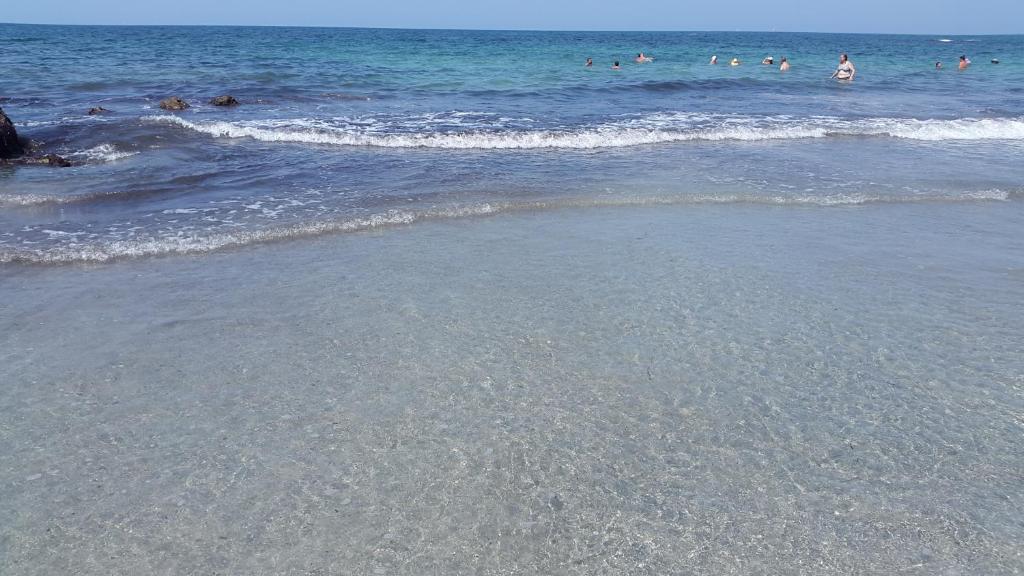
49,160
225,100
55,160
173,103
97,110
10,145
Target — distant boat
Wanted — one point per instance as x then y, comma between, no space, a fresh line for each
944,40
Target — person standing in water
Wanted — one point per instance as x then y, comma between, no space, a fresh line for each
615,66
964,62
845,70
785,65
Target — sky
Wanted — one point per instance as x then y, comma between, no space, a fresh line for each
874,16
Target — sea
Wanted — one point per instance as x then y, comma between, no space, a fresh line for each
348,129
437,302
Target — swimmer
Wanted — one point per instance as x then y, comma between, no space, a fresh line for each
964,63
615,66
938,65
714,59
845,70
734,62
641,58
590,63
785,65
768,61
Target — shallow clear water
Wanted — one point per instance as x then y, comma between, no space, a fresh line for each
345,129
621,390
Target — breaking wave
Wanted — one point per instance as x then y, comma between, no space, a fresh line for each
499,133
106,251
102,154
34,199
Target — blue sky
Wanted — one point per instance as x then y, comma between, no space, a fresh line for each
907,16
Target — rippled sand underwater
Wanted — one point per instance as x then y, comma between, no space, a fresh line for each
677,389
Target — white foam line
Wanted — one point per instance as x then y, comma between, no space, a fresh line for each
180,245
655,129
103,153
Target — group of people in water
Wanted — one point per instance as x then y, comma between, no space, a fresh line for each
844,71
767,61
641,58
964,63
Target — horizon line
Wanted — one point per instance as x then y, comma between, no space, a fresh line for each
456,29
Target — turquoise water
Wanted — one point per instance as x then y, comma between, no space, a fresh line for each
343,129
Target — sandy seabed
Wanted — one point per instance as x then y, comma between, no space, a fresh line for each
650,390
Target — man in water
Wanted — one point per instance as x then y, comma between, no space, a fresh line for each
590,63
615,66
785,65
714,59
938,65
845,70
734,62
964,62
641,58
768,61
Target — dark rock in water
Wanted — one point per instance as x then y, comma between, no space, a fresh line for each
226,100
49,160
173,103
12,148
10,145
97,110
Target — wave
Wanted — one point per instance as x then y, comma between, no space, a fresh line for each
44,199
103,153
108,251
505,134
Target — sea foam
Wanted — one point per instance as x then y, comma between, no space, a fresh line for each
75,251
620,132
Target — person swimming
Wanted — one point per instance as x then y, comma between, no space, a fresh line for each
785,65
615,65
735,62
768,60
714,59
938,65
590,63
964,62
845,70
642,58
